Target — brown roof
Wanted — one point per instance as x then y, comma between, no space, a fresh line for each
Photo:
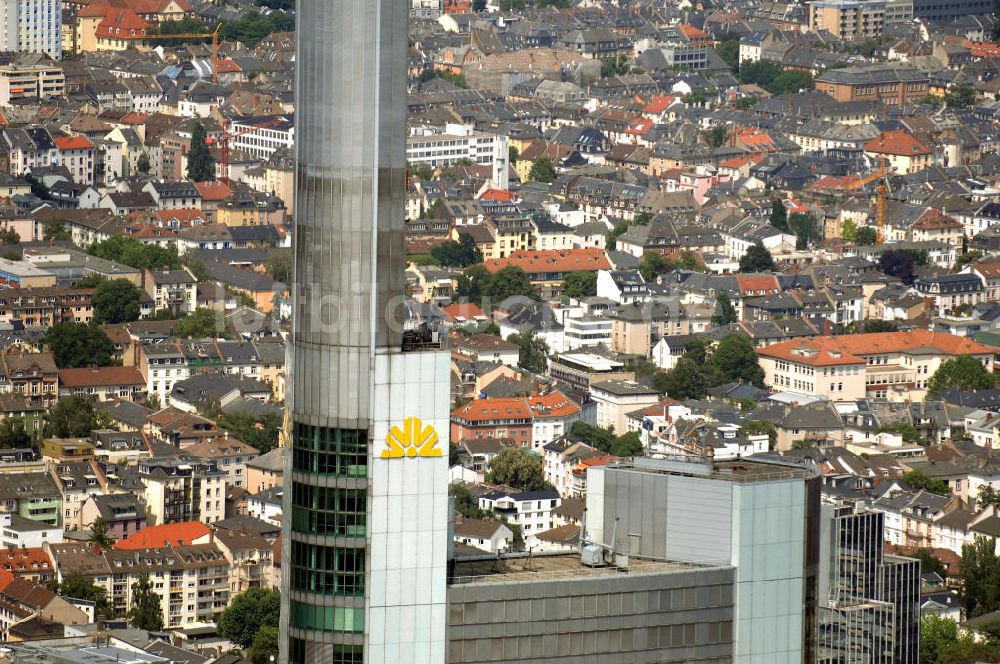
546,261
99,376
476,528
567,534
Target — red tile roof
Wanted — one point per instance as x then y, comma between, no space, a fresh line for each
658,104
174,534
72,143
213,191
849,348
96,376
897,143
122,24
553,260
24,561
459,311
768,284
553,404
481,410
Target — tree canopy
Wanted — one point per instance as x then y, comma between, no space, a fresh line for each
580,284
533,352
132,252
247,613
252,28
458,254
200,323
145,612
725,312
625,445
779,216
757,259
980,577
200,164
478,285
116,301
964,372
684,381
518,468
866,235
79,345
542,170
71,417
918,480
78,586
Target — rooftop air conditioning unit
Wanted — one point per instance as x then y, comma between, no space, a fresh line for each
592,555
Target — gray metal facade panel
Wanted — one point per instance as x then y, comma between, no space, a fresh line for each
699,522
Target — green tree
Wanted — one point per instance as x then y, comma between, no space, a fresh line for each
964,372
259,431
611,239
804,227
99,533
13,433
790,81
929,564
508,282
116,301
132,252
518,468
725,312
734,359
757,259
870,326
897,263
716,136
761,72
652,265
513,154
466,504
695,97
142,164
71,417
987,496
542,170
642,218
597,437
472,283
580,284
264,649
202,322
937,634
77,586
200,166
696,350
746,103
684,381
967,651
980,577
54,230
729,51
866,235
145,612
9,236
92,280
614,66
533,352
849,230
918,480
252,28
628,445
79,345
278,265
779,216
247,613
458,254
962,95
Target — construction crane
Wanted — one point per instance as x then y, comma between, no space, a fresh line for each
227,136
881,196
193,35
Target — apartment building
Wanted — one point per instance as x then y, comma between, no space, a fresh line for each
459,142
892,365
103,383
44,307
173,290
30,76
183,489
249,556
263,142
33,496
162,365
617,398
892,85
31,26
530,421
847,19
77,154
532,510
33,376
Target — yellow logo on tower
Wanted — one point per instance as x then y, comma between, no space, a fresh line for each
413,440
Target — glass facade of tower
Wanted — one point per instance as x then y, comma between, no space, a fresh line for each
349,511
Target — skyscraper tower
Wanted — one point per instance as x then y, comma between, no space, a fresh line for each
365,502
